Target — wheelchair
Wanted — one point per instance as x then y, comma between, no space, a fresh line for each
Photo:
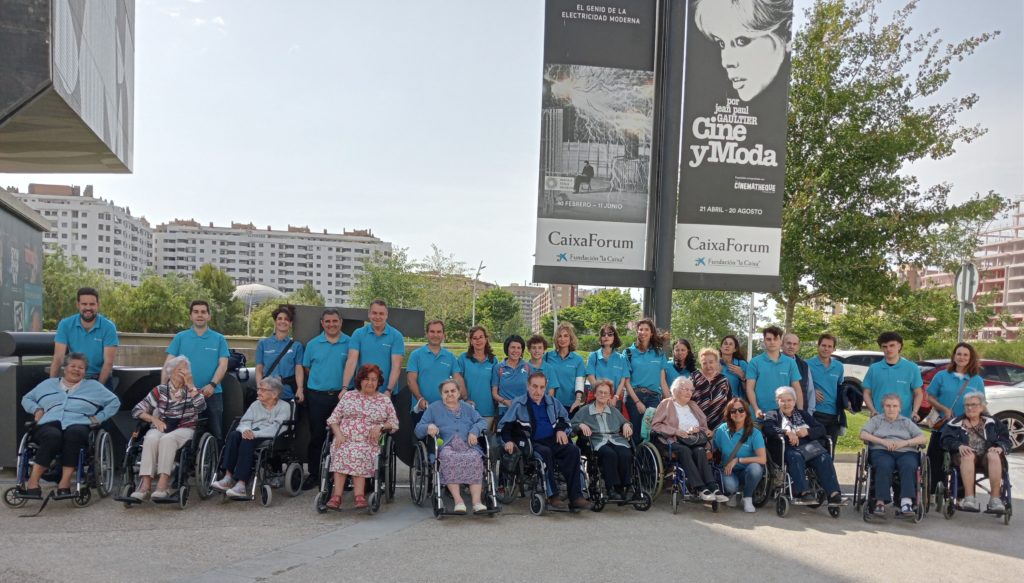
657,465
948,493
639,498
864,486
196,461
779,485
274,465
94,470
379,487
424,479
525,470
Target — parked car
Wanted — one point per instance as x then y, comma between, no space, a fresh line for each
995,373
855,368
1006,403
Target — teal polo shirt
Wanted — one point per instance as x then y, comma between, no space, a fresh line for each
724,441
900,378
378,349
267,352
510,380
672,373
326,362
945,387
826,383
738,390
645,367
91,343
477,375
203,353
565,370
769,375
613,368
549,373
431,370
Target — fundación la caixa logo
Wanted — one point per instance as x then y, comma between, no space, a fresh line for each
729,252
594,247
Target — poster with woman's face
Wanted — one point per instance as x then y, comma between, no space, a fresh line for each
734,124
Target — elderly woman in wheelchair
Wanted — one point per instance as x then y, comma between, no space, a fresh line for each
977,443
606,434
893,442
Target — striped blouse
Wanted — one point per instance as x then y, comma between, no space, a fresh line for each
158,403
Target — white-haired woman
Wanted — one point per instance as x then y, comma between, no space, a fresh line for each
172,411
799,428
978,442
892,441
683,429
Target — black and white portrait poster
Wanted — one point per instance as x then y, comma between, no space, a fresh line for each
597,117
733,144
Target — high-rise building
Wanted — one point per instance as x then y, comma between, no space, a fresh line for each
107,237
1000,262
554,297
526,294
284,260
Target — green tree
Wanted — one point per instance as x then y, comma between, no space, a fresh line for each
390,277
704,317
218,288
864,104
574,314
158,305
448,293
608,306
495,308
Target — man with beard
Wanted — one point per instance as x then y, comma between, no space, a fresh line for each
89,333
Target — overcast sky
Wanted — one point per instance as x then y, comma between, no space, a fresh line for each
419,119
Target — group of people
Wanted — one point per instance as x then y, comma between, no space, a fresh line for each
686,402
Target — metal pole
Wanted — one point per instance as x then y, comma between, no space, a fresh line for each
960,326
554,305
751,326
476,278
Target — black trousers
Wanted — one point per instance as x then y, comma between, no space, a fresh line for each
695,463
238,455
52,440
616,465
319,406
831,423
566,458
936,455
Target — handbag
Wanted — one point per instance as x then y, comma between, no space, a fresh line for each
696,440
933,420
811,449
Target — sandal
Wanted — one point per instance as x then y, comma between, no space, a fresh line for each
360,502
334,503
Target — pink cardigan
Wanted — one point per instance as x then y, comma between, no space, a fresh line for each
666,422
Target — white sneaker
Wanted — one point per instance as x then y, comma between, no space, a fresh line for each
996,505
707,495
140,495
970,503
160,495
238,491
722,498
477,508
223,485
748,505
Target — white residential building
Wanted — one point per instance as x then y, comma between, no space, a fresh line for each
526,294
107,237
283,260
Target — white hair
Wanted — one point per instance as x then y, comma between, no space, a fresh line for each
976,395
784,391
679,383
173,363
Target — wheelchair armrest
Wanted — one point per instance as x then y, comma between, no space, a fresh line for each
30,425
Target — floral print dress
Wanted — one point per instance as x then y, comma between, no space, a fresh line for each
355,415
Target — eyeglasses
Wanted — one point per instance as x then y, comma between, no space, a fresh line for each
972,405
735,411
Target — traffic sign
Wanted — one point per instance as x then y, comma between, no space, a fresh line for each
966,282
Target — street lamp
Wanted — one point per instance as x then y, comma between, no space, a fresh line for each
475,279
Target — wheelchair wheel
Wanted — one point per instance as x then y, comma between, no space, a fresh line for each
675,501
11,498
649,469
537,504
782,506
645,502
183,497
860,482
949,509
206,465
266,494
940,496
83,498
506,482
320,502
437,506
834,511
1007,515
762,492
820,498
392,470
865,510
419,475
374,502
293,479
597,503
103,460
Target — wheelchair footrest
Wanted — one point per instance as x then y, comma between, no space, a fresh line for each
168,500
70,496
127,500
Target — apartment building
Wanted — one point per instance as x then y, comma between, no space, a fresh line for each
107,237
553,297
281,259
526,294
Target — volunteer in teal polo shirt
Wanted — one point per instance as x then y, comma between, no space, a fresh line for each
474,373
769,371
89,333
207,352
567,367
377,343
537,346
647,384
607,363
325,361
428,366
893,374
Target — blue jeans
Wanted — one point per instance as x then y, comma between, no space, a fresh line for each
750,474
650,400
796,467
238,456
885,462
215,416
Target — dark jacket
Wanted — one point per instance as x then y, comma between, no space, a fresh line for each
519,421
996,434
772,427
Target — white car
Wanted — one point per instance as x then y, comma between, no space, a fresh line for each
855,368
1007,405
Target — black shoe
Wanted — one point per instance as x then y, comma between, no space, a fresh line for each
615,496
310,483
555,503
29,493
808,497
63,493
835,499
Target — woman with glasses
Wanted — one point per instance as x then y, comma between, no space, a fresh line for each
977,442
474,373
607,363
743,452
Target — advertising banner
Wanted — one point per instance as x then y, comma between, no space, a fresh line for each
21,276
597,123
733,145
